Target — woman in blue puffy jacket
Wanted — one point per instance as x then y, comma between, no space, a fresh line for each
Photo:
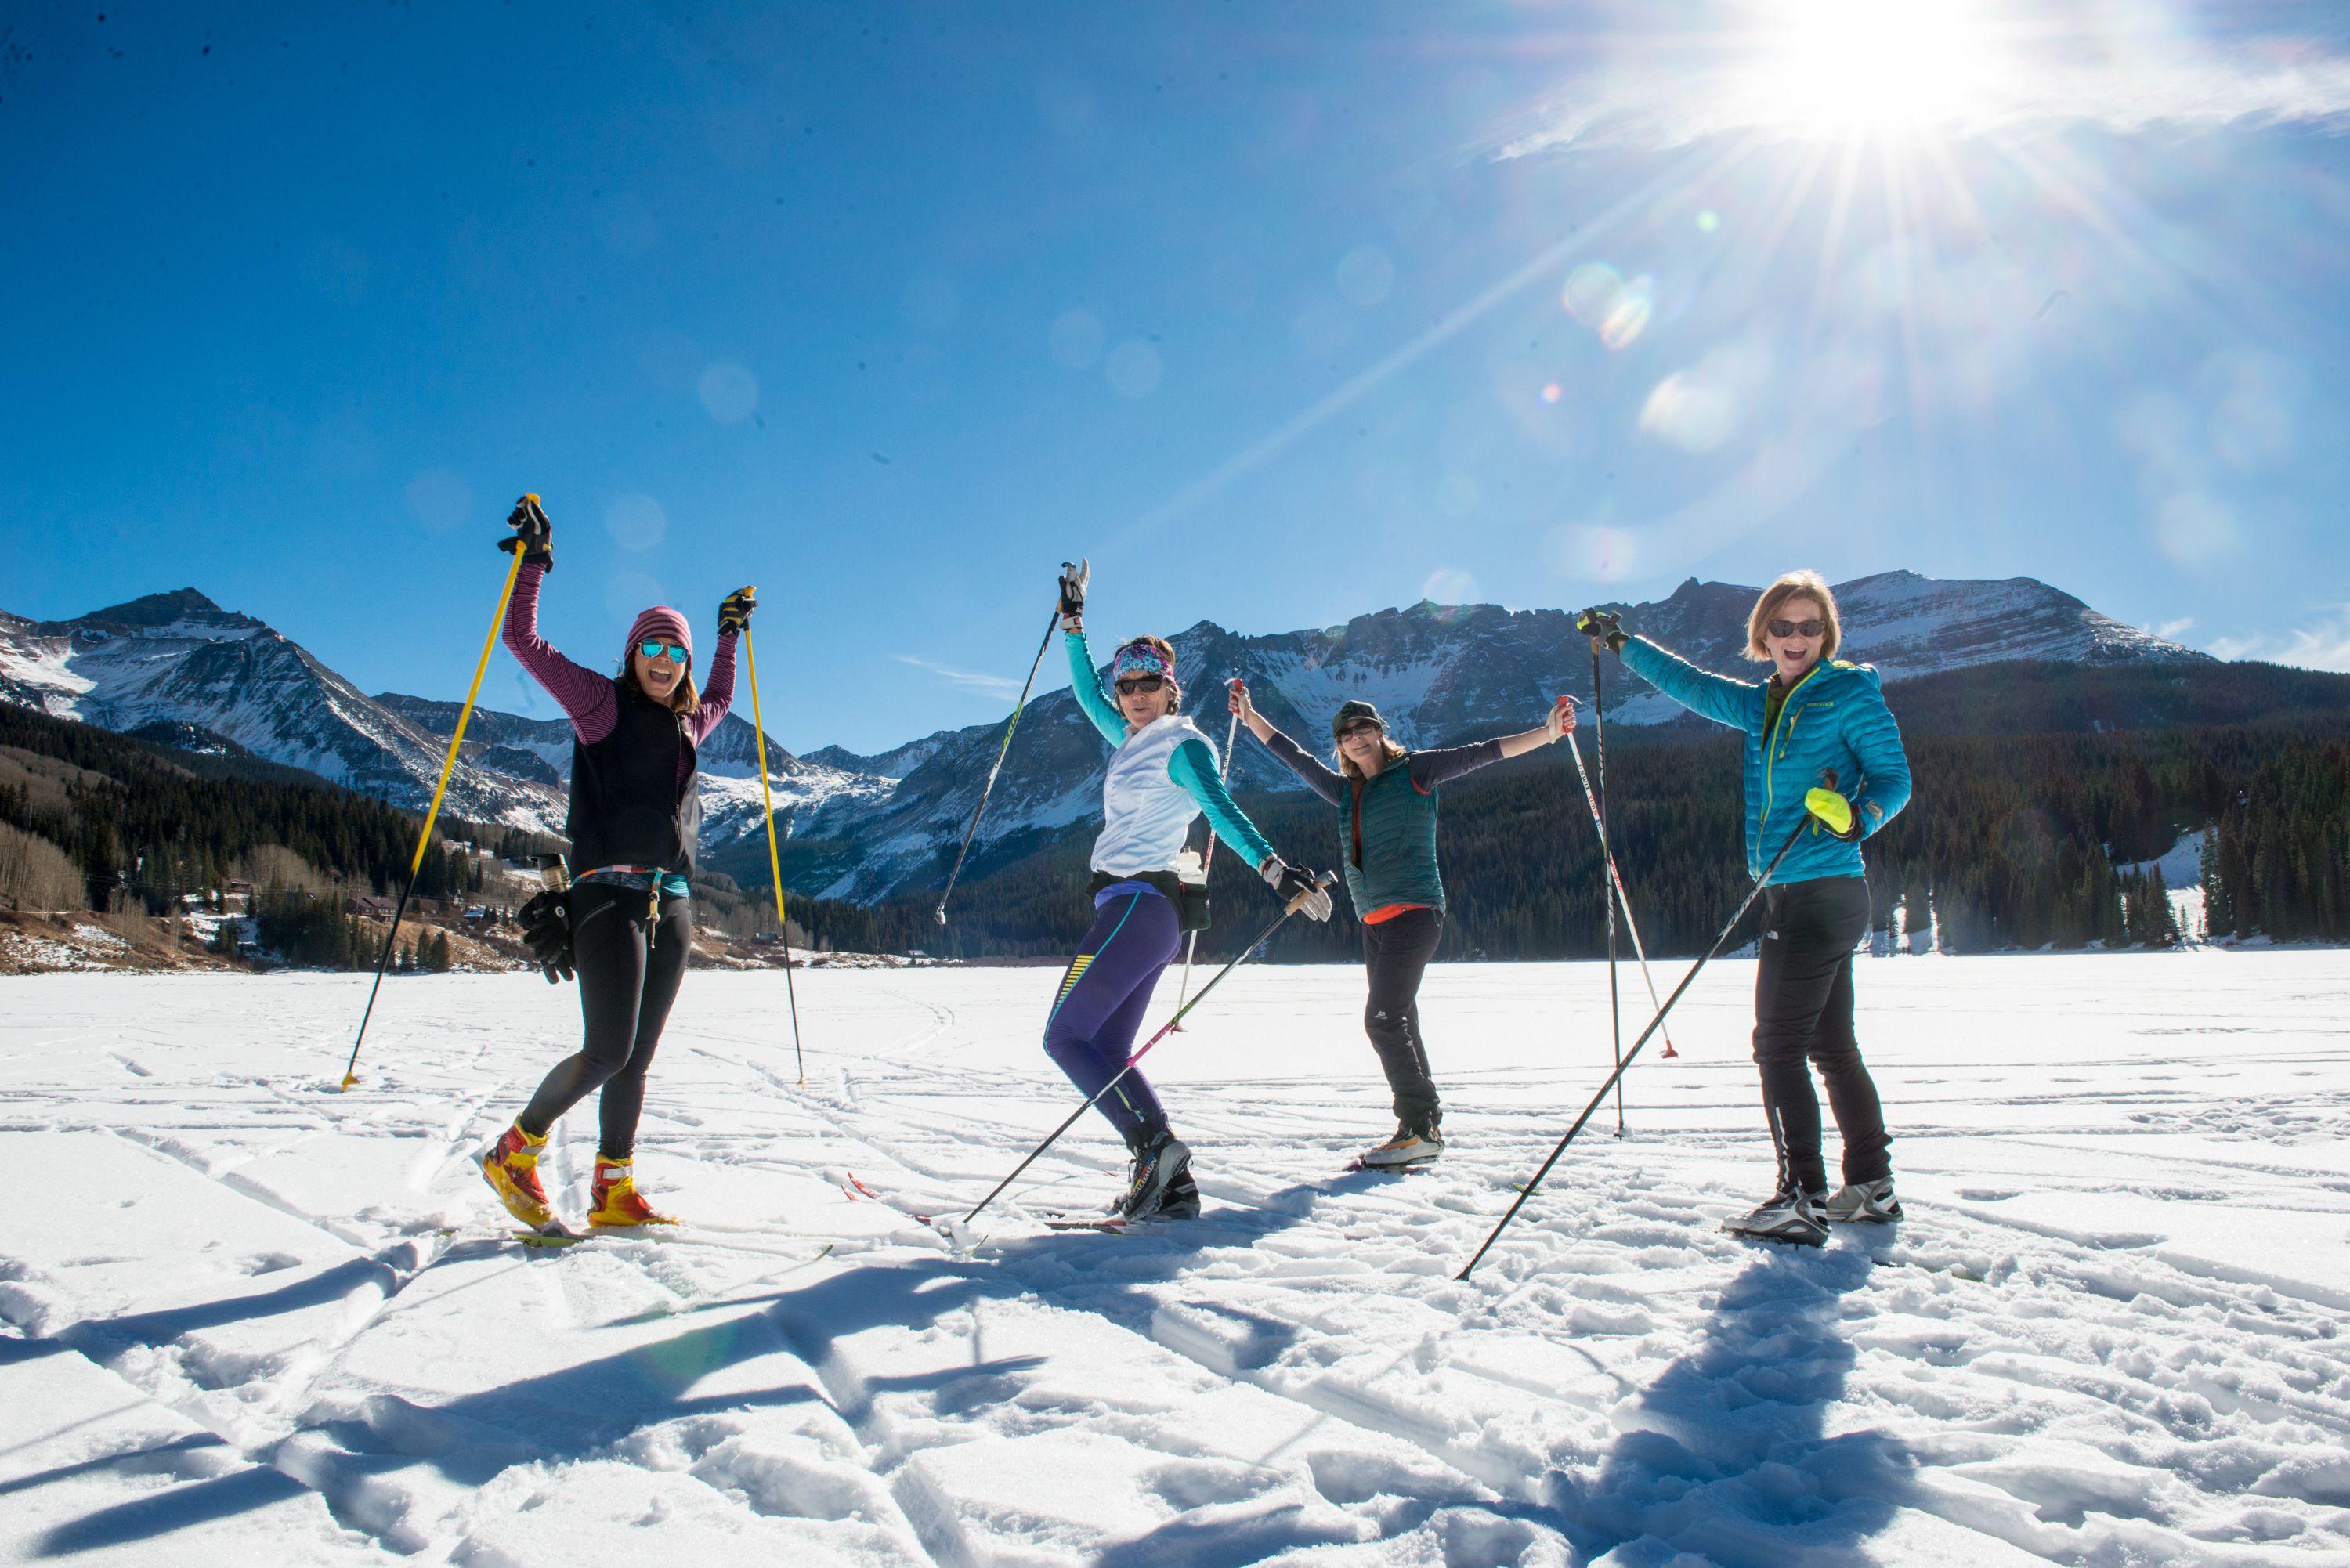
1821,752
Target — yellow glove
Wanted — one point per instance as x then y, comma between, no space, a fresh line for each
1834,812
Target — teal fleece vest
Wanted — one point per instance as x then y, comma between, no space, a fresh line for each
1399,825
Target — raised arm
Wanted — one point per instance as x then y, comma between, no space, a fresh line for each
1736,703
1085,682
1444,764
718,691
1318,775
586,698
1193,766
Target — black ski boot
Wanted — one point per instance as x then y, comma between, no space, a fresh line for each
1160,1159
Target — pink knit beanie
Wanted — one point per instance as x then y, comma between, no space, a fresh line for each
659,621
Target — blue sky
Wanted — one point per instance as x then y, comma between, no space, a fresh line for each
1278,318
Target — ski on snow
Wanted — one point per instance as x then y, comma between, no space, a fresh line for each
1355,1166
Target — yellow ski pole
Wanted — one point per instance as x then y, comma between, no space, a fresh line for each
424,838
774,855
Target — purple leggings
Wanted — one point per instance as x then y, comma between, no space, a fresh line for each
1099,1007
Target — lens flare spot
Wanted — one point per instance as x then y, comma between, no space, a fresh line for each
636,521
1552,391
1594,552
1592,291
1690,414
1708,221
1600,297
1449,586
728,393
1630,316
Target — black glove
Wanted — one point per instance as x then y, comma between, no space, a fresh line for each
1605,624
534,535
734,610
547,927
1074,575
1306,893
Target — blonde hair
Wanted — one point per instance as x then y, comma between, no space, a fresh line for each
1388,747
1803,585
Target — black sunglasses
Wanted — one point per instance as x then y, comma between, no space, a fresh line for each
1797,628
1134,683
1362,727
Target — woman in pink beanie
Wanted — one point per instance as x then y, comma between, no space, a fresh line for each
636,812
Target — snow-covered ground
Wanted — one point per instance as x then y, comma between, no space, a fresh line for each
256,1320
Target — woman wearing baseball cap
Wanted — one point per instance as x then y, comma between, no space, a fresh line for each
1162,776
636,812
1387,801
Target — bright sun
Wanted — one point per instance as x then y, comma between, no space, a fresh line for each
1889,66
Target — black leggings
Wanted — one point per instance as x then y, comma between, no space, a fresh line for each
1396,953
1803,1011
629,966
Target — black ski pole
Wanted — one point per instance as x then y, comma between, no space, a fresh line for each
1001,752
1617,1075
1622,899
1599,755
1324,880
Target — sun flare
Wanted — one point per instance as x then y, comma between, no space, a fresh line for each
1886,67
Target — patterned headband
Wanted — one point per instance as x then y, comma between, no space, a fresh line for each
1140,659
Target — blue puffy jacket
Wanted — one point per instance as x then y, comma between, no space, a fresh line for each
1834,718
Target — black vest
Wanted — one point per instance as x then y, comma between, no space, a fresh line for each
627,807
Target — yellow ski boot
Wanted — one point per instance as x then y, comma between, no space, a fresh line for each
511,1167
615,1202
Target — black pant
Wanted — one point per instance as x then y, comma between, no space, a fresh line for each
1803,1010
1396,951
629,966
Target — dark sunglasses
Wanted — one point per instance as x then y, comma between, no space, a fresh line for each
1362,727
1797,628
1134,683
654,648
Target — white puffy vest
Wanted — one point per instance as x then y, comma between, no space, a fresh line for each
1146,815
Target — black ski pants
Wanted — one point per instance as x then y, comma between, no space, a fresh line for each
1803,1013
629,966
1396,953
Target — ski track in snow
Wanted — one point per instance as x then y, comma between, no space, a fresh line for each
245,1313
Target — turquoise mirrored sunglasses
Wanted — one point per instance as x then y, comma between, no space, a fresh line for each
654,648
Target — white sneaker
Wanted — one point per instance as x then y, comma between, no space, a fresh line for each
1800,1217
1869,1202
1410,1146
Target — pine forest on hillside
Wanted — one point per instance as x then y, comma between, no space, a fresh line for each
2012,842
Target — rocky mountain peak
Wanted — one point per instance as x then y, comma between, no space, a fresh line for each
184,611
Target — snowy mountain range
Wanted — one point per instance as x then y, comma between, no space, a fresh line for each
870,825
1440,674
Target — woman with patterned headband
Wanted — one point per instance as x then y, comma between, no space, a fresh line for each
636,812
1162,776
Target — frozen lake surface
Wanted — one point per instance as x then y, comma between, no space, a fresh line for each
250,1319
